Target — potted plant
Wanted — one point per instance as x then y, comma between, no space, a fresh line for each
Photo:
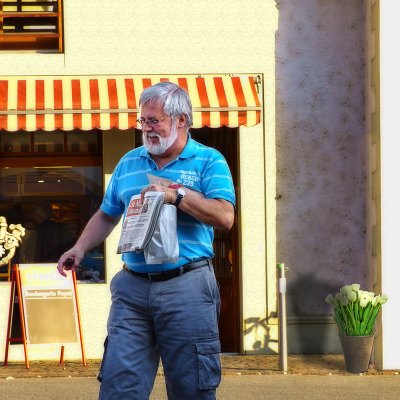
355,313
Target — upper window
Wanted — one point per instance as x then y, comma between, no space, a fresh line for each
43,143
31,25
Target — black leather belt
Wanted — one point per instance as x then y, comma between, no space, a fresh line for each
172,273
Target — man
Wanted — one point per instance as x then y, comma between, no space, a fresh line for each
164,310
52,238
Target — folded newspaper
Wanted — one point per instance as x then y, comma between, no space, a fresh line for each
140,220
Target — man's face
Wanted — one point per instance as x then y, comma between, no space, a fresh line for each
160,136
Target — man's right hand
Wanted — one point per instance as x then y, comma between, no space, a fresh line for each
95,232
69,261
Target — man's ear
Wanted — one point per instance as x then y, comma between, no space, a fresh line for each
182,121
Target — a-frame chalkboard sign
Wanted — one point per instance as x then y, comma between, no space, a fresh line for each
43,309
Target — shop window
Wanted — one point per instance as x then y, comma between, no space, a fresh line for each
52,195
78,143
48,142
31,25
12,143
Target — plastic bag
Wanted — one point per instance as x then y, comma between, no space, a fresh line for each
163,246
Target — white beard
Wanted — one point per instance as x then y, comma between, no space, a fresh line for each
164,143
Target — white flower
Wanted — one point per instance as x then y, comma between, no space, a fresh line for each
355,287
365,298
349,292
382,299
352,296
364,320
346,289
330,299
342,298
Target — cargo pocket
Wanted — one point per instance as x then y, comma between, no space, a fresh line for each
100,374
208,354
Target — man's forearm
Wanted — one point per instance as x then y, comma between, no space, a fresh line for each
218,213
215,212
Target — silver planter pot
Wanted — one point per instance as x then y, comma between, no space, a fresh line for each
357,352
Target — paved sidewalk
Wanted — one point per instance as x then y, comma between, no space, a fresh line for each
233,387
231,365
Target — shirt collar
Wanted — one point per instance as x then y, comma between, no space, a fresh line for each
190,149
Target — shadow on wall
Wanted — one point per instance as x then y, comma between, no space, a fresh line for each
312,333
261,333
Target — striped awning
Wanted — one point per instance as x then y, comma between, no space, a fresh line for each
106,102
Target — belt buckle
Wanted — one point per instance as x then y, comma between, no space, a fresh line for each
167,274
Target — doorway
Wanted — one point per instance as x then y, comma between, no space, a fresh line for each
225,262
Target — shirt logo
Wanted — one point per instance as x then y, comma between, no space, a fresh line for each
188,178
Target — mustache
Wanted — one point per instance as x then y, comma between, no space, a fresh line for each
152,135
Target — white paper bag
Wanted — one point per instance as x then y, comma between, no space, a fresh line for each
163,246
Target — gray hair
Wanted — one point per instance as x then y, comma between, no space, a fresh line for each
174,99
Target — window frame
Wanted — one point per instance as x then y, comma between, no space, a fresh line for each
24,37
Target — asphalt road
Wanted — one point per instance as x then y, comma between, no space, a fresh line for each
243,387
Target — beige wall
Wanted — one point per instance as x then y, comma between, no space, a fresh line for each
158,37
169,37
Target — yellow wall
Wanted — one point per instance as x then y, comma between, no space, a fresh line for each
373,124
170,37
253,245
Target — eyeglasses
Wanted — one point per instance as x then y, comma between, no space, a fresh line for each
150,121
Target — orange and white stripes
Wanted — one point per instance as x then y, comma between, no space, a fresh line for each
105,102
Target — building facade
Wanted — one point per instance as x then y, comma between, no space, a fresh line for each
282,88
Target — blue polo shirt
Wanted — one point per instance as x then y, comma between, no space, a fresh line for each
198,167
